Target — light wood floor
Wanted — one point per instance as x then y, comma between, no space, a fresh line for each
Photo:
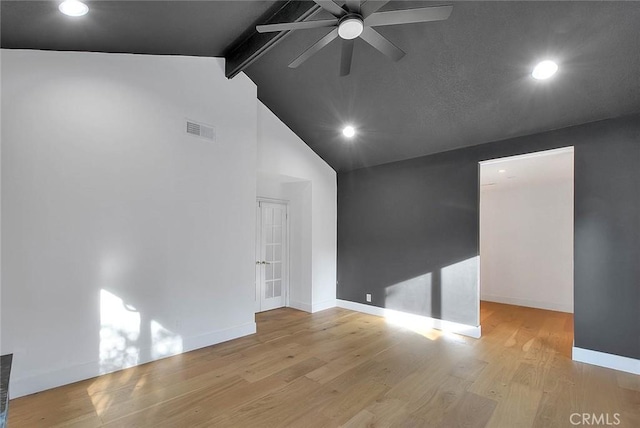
339,367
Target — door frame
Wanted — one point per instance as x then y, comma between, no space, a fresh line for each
286,252
528,155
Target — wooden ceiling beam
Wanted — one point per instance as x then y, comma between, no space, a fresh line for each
251,45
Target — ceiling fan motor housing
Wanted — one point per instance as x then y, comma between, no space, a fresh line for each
350,26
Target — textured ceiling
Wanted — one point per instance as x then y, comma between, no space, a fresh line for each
198,28
464,81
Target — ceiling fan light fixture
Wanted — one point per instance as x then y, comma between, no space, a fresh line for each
348,23
350,27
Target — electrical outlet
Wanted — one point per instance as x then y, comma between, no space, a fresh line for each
368,297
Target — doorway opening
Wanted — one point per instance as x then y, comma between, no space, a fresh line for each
272,255
526,235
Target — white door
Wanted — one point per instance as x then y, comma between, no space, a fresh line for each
271,256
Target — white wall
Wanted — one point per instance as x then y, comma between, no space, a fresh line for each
526,244
123,238
311,185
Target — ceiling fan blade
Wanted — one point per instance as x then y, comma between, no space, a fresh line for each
314,48
372,6
347,57
353,6
303,25
408,16
332,7
381,43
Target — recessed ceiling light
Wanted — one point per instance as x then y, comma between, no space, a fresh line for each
502,171
544,70
73,8
349,131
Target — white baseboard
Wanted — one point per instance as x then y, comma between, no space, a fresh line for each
213,338
43,381
448,326
300,306
559,307
19,387
321,306
602,359
316,307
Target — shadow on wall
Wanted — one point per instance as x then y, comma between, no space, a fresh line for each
437,293
127,339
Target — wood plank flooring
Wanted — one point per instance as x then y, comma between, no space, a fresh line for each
343,368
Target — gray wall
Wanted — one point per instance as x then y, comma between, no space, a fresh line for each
402,225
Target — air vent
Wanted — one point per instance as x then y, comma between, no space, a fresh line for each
201,130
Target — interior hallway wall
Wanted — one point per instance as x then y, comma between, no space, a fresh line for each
297,195
526,240
281,153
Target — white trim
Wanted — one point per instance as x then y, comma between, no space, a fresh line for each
272,200
478,277
215,337
568,149
321,306
602,359
300,306
560,307
43,381
448,326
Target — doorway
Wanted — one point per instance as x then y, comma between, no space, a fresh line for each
272,255
526,230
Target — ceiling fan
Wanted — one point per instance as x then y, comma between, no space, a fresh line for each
357,19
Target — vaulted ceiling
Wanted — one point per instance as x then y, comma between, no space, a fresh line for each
463,81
